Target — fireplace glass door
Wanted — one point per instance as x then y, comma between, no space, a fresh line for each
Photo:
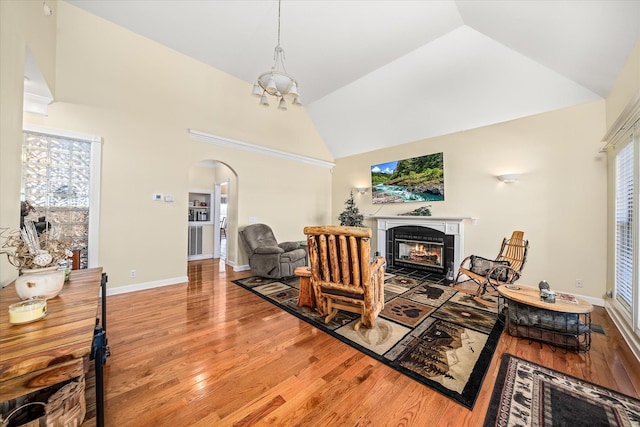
421,253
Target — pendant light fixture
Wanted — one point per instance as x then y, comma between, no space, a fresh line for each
277,82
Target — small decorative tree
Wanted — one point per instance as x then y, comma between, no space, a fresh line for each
351,216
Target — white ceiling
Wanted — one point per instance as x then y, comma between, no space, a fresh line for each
374,74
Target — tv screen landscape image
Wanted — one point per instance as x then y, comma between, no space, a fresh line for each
419,179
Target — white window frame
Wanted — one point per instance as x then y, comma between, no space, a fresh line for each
94,183
625,130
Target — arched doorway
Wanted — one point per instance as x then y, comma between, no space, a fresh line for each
212,187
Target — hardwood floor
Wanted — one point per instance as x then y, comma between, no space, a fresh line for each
211,353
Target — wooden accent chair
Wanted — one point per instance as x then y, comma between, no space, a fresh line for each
505,269
342,275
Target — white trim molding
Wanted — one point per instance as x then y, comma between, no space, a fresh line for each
628,118
245,146
36,104
630,337
147,285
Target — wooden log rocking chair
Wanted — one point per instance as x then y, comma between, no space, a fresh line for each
342,275
505,269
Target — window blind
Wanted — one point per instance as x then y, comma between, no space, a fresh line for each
624,238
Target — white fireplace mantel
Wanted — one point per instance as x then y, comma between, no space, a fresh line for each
448,225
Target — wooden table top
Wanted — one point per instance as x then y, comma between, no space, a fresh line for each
51,350
530,295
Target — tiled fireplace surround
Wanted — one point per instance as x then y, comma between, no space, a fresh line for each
453,227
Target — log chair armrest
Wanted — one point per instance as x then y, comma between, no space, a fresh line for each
377,263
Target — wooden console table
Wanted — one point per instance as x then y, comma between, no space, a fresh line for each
565,323
54,349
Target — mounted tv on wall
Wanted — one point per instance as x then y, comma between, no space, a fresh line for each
419,179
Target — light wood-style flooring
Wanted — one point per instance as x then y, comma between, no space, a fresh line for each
209,353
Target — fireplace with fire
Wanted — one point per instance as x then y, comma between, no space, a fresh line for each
421,248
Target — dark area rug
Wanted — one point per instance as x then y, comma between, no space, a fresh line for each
527,394
427,331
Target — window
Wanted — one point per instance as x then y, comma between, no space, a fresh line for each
625,202
60,173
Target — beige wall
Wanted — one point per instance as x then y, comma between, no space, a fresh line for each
627,86
22,25
559,201
142,98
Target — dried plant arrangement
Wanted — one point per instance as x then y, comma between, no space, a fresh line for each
26,249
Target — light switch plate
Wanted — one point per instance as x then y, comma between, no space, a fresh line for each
157,197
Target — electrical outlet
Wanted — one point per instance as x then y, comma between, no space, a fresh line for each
132,273
578,283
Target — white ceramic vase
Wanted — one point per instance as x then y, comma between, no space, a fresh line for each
40,282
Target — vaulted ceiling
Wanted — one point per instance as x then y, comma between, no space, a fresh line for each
374,74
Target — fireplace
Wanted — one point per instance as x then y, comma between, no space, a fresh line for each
431,244
419,247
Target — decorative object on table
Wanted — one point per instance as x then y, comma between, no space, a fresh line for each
546,294
427,331
40,282
423,211
37,256
28,249
277,82
527,394
351,215
27,311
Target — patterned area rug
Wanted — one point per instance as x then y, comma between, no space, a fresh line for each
527,394
427,330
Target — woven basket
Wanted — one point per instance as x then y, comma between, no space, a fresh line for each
65,408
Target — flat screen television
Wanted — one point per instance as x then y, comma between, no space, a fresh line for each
419,179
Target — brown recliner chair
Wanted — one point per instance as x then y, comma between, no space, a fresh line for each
267,257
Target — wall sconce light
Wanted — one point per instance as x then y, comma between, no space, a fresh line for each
362,190
509,178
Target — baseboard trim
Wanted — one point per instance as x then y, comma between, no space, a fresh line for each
594,301
630,337
199,257
147,285
241,267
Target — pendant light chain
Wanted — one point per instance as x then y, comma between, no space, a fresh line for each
277,82
279,5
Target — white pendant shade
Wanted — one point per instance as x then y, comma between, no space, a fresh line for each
263,101
282,105
271,85
294,89
256,90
